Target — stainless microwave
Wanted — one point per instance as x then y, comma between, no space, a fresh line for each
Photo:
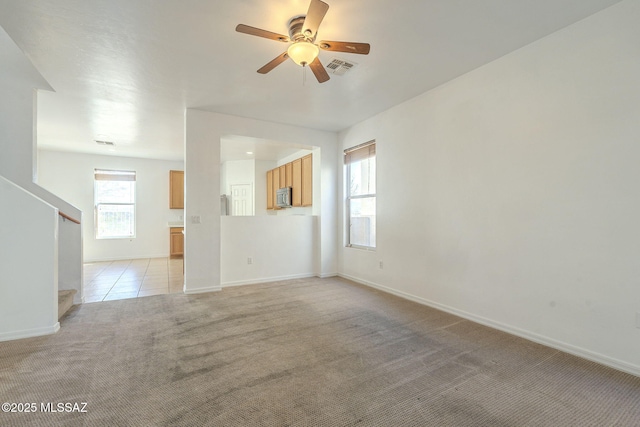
283,197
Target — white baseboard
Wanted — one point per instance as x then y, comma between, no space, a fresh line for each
192,291
88,261
266,280
77,299
326,275
28,333
531,336
199,286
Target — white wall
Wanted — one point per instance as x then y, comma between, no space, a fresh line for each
70,258
509,195
279,247
297,155
70,175
29,262
204,131
19,81
29,295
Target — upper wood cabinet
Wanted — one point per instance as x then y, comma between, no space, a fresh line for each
276,179
307,179
270,192
275,184
283,176
176,189
298,175
296,183
288,168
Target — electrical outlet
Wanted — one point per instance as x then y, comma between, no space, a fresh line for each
195,219
249,260
380,265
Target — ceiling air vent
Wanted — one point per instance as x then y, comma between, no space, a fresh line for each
339,67
109,143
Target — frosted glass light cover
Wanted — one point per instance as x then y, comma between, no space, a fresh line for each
303,53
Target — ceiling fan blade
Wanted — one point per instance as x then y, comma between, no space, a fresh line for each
252,31
319,71
274,63
315,15
350,47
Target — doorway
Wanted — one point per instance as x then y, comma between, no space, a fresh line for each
241,200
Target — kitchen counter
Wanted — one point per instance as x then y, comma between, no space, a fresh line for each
175,224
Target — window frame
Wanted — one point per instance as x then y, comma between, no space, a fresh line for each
118,175
349,197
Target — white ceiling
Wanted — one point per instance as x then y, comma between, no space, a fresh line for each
125,70
237,147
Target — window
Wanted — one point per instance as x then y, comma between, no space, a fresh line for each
115,204
360,165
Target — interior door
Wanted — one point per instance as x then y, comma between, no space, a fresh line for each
241,200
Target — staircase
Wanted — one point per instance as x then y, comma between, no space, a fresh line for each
65,301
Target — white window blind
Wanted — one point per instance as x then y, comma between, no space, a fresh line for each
111,175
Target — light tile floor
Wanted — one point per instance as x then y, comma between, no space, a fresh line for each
111,280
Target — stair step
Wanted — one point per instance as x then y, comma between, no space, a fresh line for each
65,301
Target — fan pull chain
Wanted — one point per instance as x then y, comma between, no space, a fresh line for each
304,75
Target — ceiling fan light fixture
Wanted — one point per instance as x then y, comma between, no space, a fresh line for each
303,53
303,30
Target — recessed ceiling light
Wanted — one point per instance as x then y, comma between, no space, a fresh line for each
249,152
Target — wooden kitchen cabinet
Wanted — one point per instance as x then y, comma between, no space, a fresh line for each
276,185
270,191
176,189
276,179
298,175
288,173
283,176
296,183
307,180
176,242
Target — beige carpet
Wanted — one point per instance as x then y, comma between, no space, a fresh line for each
316,352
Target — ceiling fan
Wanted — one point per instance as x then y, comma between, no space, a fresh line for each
303,49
